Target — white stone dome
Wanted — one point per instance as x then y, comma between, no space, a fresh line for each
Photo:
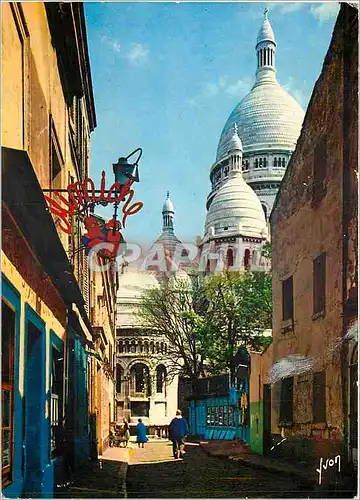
168,204
268,118
133,283
236,209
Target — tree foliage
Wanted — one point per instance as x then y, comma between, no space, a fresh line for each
206,320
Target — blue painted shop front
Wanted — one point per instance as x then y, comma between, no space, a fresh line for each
223,415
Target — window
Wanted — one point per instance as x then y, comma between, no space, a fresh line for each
283,162
319,398
247,259
230,257
119,378
57,378
56,158
140,379
265,211
275,162
256,163
319,170
265,162
260,162
319,283
288,299
286,401
7,404
160,379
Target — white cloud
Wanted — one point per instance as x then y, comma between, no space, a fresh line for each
211,89
238,88
325,11
286,7
138,53
116,46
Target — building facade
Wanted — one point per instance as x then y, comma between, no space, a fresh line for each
48,115
144,387
314,276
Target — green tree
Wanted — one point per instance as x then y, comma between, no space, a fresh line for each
239,310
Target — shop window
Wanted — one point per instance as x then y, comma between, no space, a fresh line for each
7,380
287,299
319,170
319,283
57,380
319,398
160,379
286,401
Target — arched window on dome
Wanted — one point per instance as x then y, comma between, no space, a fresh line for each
247,259
275,162
283,162
256,163
230,258
265,162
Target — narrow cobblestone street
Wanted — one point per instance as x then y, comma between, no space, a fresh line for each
154,474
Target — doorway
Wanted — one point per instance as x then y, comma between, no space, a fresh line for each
36,447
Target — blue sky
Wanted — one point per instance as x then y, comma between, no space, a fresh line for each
166,77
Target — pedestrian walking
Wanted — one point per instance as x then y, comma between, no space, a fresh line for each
126,432
178,430
141,437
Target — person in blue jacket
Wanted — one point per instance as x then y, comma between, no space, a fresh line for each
178,430
141,437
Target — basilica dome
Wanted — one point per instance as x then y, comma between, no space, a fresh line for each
267,118
236,209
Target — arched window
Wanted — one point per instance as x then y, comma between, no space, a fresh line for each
265,162
133,347
160,378
152,347
247,164
256,163
283,162
140,379
127,346
265,211
261,162
247,259
275,162
146,349
229,258
121,347
119,378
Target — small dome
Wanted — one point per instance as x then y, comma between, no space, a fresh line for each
266,33
236,209
235,143
168,205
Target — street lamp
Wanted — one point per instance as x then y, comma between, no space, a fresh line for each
123,170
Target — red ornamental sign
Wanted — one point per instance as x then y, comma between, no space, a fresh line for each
82,195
